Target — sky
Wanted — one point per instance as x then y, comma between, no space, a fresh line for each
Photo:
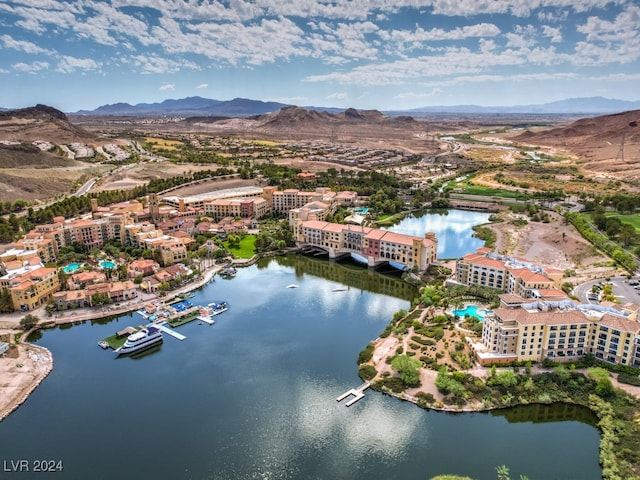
366,54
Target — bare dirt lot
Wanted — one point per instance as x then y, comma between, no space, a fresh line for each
21,371
554,244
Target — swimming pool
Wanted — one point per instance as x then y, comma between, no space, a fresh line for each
72,267
107,264
472,311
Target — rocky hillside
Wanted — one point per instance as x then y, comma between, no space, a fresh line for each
40,123
607,144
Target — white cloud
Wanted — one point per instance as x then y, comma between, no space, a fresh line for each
68,64
337,96
202,86
554,34
30,67
418,96
624,27
167,86
156,64
22,45
37,19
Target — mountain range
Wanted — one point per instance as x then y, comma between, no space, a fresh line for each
586,105
243,107
190,106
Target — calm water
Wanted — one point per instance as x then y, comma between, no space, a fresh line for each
452,229
254,397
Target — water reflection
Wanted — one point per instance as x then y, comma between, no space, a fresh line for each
453,230
345,274
538,413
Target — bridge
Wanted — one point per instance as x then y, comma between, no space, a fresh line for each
336,254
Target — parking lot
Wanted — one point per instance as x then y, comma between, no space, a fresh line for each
623,289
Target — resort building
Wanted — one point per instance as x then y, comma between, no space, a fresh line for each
32,288
237,207
377,246
83,279
142,267
115,291
283,201
506,274
560,331
198,201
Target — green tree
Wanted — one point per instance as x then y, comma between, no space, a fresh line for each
408,368
29,321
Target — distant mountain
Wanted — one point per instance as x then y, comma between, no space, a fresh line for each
190,106
583,105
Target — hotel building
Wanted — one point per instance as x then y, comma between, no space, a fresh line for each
561,331
507,274
376,245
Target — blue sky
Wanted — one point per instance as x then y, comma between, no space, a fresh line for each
382,54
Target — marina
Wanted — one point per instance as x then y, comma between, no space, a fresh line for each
165,317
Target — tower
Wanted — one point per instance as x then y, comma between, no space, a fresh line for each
154,207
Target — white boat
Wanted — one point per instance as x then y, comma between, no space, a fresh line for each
228,272
218,308
145,338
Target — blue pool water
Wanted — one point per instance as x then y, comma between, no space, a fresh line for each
472,311
72,267
107,264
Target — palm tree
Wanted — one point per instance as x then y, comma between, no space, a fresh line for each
503,472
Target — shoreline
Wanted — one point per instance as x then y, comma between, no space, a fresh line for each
18,382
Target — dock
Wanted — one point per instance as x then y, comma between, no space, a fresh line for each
206,319
357,393
163,327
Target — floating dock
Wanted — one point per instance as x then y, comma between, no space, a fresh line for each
206,319
163,327
357,393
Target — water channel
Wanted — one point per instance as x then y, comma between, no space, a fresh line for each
254,396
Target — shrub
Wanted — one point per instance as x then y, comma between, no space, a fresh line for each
424,397
367,372
422,341
395,384
440,319
629,379
366,354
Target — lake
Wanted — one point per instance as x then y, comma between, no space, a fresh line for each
254,396
452,229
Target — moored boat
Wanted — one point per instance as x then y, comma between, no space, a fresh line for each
218,307
142,339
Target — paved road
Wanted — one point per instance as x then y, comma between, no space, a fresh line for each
85,188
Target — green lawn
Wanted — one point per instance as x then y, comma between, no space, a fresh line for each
246,249
470,189
630,218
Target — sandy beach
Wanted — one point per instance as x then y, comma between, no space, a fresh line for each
25,365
